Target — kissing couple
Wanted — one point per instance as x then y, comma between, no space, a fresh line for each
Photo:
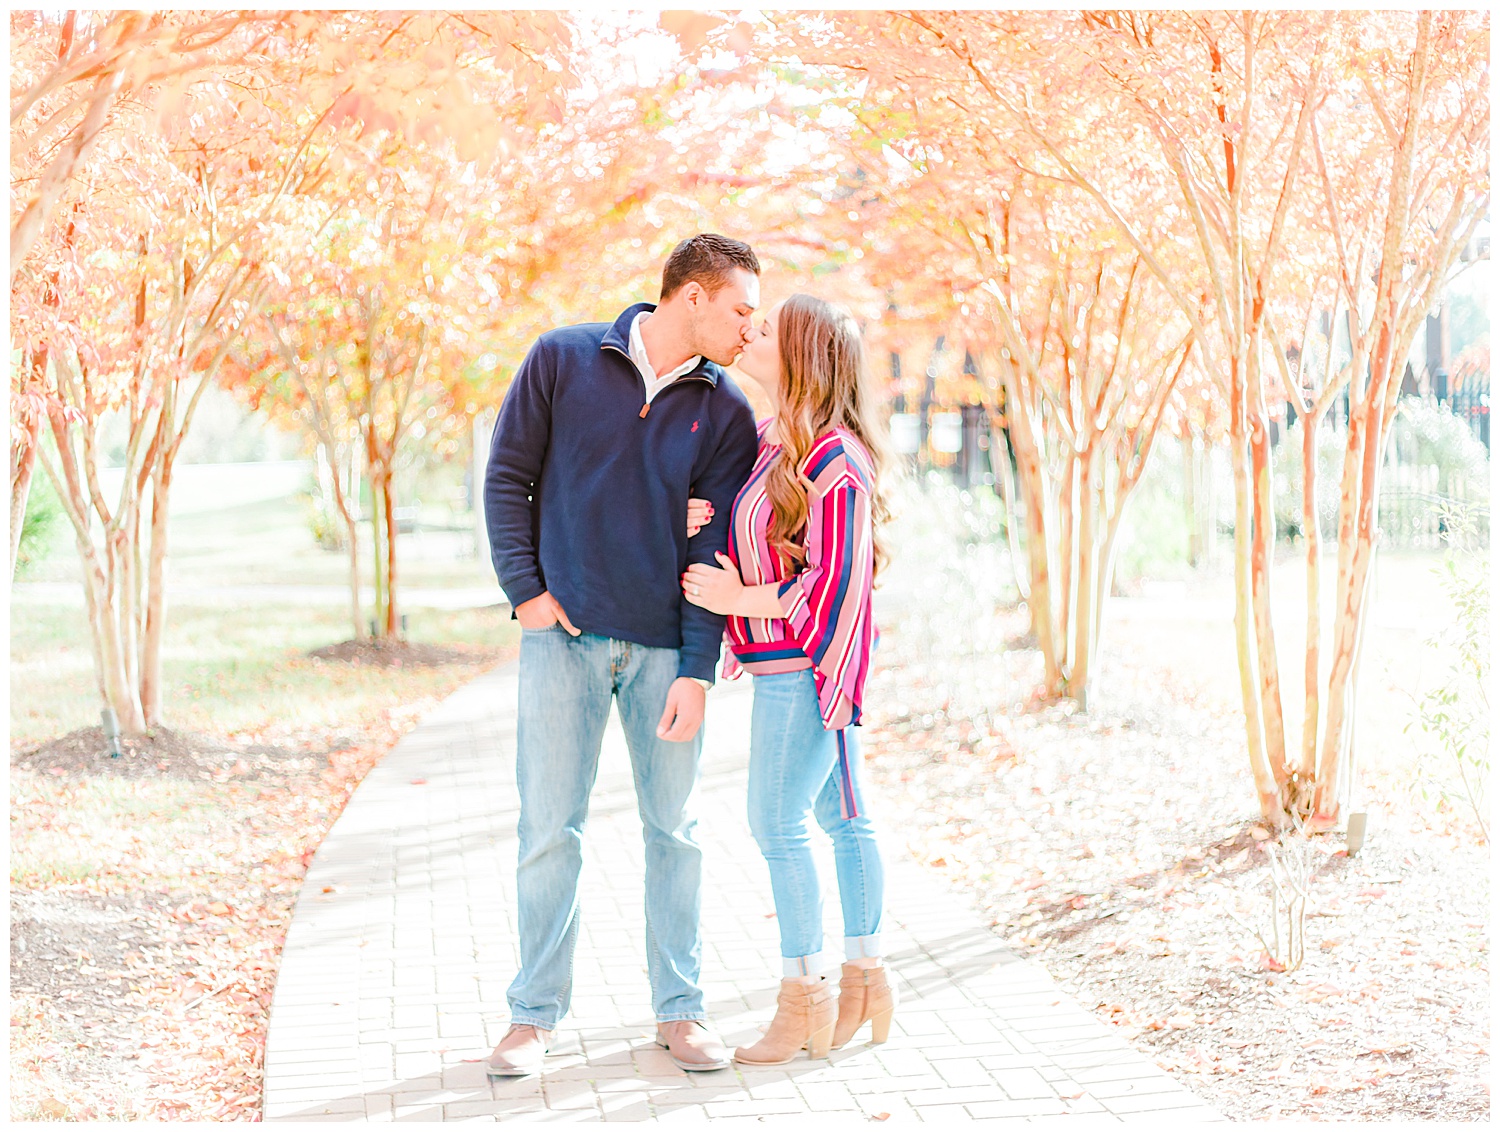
638,517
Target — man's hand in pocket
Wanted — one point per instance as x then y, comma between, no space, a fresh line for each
543,612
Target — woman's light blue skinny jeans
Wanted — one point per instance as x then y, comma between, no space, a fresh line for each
794,777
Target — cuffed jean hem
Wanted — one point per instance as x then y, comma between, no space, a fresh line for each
699,1017
804,965
539,1023
862,946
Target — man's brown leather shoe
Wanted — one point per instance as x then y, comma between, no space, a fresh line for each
519,1053
692,1046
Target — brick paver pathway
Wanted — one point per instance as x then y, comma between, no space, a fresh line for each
392,983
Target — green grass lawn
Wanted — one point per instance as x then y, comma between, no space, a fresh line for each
271,543
234,664
227,668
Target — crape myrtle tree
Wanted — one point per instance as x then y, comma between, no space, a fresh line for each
1085,350
1239,108
379,335
136,302
1207,141
406,247
131,307
1224,110
1400,147
368,328
1166,86
77,76
1091,359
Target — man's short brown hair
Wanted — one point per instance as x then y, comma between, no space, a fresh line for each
707,260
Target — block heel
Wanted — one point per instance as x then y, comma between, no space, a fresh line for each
865,995
820,1043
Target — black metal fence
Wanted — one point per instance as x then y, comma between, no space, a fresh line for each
1470,402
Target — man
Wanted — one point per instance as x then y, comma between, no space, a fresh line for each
605,433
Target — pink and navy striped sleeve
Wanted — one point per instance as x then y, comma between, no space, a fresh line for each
827,603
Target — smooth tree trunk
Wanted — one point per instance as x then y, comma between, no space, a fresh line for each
351,532
1359,516
1086,571
1006,477
81,503
377,555
388,501
1033,487
156,597
1106,574
1262,545
22,466
379,462
1307,766
1266,789
1063,541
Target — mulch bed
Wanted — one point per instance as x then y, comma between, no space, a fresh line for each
72,977
135,1000
1121,848
169,753
399,654
138,998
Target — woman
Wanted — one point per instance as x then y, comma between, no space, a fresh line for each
803,553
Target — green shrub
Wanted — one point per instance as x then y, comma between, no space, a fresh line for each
43,525
324,522
1455,716
1426,435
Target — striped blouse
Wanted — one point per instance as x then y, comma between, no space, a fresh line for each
826,623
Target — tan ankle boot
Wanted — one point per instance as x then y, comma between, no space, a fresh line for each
864,996
804,1017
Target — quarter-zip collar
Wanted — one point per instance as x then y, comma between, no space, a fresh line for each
617,338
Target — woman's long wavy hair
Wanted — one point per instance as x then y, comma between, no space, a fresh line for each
825,383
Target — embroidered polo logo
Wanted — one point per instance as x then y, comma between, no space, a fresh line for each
694,428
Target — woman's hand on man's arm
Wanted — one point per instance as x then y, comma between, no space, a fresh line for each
718,589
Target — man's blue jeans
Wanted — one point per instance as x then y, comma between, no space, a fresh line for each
566,684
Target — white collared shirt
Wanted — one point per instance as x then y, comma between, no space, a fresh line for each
654,384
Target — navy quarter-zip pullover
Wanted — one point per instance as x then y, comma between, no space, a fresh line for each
586,491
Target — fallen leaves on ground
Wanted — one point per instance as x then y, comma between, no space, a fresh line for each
202,876
1115,846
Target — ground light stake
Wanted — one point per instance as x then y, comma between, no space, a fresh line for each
1355,837
111,731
